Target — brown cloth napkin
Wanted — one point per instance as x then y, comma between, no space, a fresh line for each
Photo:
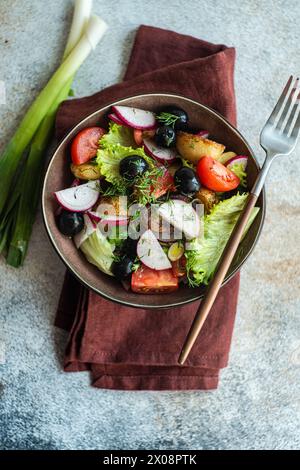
137,349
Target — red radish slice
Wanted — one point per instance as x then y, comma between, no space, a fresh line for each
97,217
76,182
159,153
114,221
92,220
182,216
225,157
167,232
239,159
115,118
79,198
89,228
94,216
134,117
151,253
203,134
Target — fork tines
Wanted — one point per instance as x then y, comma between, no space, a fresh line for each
285,117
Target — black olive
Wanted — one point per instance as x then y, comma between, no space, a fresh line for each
186,181
183,119
131,167
129,248
123,268
105,185
70,223
165,136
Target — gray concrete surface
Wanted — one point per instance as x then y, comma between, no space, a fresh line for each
258,402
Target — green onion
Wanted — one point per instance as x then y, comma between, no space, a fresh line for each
81,16
31,186
18,206
14,150
25,211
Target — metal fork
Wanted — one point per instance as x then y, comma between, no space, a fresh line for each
278,137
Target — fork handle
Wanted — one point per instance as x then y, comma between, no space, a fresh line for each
261,178
220,273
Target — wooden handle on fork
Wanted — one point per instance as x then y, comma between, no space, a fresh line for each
216,282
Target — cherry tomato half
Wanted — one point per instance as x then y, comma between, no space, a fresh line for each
139,135
179,267
163,184
216,176
150,281
85,145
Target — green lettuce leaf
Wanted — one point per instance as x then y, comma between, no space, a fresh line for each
99,251
109,158
117,235
204,253
118,135
114,146
238,169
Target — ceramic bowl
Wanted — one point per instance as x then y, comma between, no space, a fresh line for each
58,177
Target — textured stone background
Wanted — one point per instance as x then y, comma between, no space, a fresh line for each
258,402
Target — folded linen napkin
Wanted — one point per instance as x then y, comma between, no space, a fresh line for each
137,349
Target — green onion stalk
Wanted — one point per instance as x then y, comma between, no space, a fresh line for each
81,16
30,187
18,205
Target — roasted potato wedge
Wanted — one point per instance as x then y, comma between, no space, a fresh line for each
208,198
119,208
86,171
193,148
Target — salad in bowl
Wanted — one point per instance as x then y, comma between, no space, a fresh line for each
153,199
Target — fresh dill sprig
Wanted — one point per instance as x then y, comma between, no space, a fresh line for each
192,282
145,186
136,215
136,265
167,118
117,257
117,188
